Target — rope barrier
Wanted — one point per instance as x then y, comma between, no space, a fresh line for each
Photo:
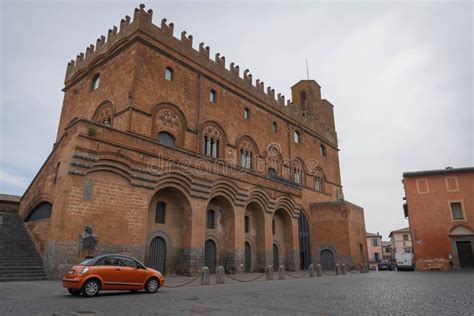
325,273
251,280
185,283
297,277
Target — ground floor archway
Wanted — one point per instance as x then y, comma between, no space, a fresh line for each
283,236
254,231
220,227
168,232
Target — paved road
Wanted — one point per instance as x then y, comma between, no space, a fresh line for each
427,293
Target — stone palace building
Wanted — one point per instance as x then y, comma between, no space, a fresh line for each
182,162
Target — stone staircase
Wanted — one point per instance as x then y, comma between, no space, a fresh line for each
19,259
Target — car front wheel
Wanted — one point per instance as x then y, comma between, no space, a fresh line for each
152,285
91,288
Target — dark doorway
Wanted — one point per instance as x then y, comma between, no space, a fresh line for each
466,257
305,248
248,257
327,260
276,258
158,254
210,255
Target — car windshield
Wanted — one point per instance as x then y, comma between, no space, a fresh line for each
86,262
384,261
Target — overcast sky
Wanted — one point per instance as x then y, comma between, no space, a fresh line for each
400,76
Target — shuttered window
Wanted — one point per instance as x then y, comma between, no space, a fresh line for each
166,139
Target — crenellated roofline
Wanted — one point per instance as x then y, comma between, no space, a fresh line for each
142,22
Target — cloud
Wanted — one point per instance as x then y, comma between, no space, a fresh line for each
12,182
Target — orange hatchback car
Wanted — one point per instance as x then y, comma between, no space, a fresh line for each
111,272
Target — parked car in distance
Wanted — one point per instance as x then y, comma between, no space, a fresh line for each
385,265
111,272
404,261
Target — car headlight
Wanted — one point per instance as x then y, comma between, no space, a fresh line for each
83,270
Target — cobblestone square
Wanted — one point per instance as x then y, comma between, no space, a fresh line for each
389,293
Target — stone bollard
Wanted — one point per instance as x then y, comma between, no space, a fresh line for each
338,269
343,269
205,276
281,272
319,270
312,272
220,275
269,273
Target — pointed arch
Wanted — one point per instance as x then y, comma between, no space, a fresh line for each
298,170
212,140
247,150
319,180
104,114
167,117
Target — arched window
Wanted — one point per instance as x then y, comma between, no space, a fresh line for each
211,216
298,176
319,180
211,142
211,147
246,159
95,83
298,170
322,150
213,96
318,184
169,74
41,211
297,137
166,139
274,127
246,113
160,212
247,150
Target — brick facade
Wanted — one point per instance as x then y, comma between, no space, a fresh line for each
437,231
129,139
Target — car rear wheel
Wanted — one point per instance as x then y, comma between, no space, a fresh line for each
75,292
91,288
152,285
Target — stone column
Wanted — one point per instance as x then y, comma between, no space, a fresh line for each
266,258
194,254
236,256
293,253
